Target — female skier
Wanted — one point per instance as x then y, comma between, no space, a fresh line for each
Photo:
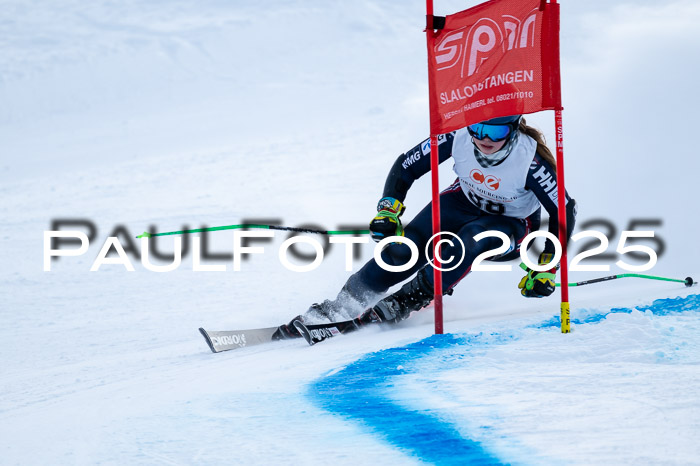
505,174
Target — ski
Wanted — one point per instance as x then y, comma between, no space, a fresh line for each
315,334
227,340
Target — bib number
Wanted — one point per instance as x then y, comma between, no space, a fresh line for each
486,205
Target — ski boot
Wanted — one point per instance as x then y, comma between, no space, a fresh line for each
412,296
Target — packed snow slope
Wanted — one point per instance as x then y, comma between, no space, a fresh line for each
164,115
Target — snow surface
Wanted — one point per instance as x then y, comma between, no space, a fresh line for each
180,113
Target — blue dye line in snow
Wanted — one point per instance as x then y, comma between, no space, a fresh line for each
360,390
660,307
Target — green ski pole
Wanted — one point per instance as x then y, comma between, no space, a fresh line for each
688,281
146,234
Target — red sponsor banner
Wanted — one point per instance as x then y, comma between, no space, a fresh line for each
496,59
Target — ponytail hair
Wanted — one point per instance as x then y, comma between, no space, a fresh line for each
542,148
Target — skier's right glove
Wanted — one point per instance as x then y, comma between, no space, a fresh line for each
387,222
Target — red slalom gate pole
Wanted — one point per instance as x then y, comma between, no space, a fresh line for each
561,187
561,194
437,273
435,180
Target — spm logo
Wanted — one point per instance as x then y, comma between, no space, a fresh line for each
486,38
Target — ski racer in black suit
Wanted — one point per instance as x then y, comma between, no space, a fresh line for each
505,174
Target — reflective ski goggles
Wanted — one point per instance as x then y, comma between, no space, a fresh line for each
493,132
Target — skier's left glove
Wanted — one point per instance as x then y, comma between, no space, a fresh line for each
538,284
387,222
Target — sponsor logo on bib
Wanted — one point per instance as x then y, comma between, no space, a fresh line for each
490,181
